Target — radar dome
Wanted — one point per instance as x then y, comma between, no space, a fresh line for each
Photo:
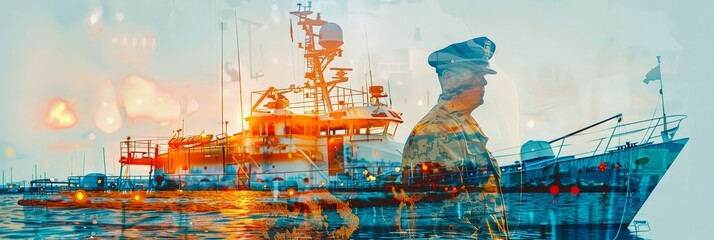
536,150
331,36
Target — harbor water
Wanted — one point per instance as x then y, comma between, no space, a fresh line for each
251,215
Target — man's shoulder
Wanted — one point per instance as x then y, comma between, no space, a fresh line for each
435,127
437,122
431,125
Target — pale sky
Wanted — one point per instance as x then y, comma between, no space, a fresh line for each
136,68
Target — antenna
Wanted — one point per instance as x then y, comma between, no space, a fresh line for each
369,59
222,61
389,89
104,156
240,82
251,24
661,92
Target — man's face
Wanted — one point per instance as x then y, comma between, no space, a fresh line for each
475,88
467,88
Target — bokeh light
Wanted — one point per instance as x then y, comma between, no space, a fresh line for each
9,152
107,116
94,22
60,115
120,16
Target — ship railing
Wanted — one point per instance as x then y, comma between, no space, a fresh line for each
47,187
143,148
595,141
112,182
303,101
350,177
309,159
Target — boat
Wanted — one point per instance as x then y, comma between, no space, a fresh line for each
585,179
316,135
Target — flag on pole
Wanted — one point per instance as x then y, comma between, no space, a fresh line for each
291,30
652,75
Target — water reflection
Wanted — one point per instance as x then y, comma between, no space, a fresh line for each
255,215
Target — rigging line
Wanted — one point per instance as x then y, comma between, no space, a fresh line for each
221,77
238,69
389,90
520,199
503,204
369,59
292,52
649,125
627,197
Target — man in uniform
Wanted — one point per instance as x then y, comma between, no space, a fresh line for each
448,148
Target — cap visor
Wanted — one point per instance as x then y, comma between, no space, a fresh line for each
489,71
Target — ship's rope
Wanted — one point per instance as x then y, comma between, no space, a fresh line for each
292,57
520,200
627,198
649,125
503,204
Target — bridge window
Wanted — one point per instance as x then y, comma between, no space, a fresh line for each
376,130
296,127
255,129
270,128
391,128
310,130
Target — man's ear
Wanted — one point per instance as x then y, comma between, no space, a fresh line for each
448,76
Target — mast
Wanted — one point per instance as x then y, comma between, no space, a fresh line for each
317,60
240,82
251,24
661,93
223,132
656,74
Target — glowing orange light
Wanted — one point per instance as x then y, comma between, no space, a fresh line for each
424,167
80,196
60,115
137,197
291,192
9,152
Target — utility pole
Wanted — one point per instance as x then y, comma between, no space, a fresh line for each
104,156
222,73
240,82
